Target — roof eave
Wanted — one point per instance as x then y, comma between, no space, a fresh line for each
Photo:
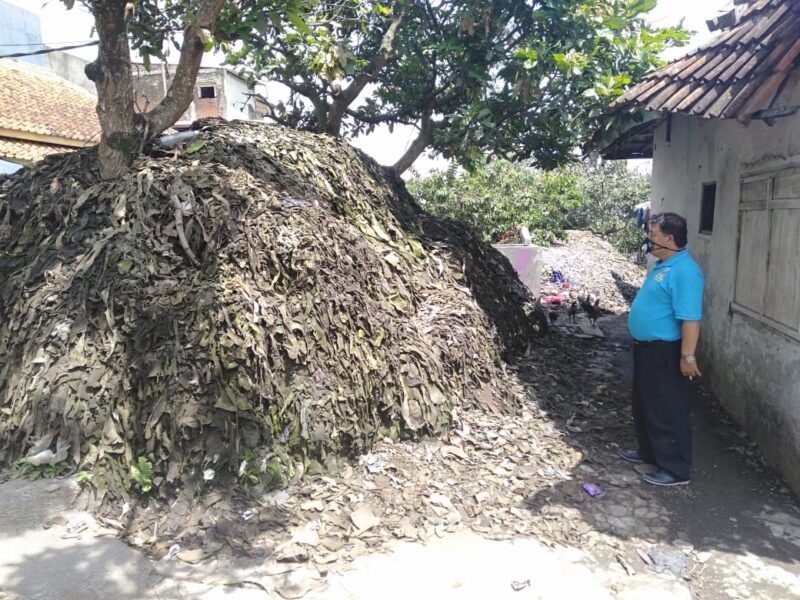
737,75
632,138
56,140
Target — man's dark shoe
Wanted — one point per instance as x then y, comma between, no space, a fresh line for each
631,455
663,478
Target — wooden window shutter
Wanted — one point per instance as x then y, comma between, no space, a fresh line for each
768,265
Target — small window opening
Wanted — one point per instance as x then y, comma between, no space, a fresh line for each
707,206
208,91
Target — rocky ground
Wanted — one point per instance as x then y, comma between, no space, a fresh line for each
534,505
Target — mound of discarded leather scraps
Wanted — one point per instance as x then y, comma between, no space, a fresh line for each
247,306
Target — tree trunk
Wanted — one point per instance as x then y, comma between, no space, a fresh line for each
335,116
124,131
418,146
122,128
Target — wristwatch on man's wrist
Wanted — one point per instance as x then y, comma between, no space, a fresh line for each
690,359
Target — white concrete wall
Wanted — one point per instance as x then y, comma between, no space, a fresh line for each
71,68
238,103
754,369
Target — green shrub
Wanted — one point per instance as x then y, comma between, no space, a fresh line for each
142,474
495,199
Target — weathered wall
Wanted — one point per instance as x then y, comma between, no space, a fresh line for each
753,368
528,262
149,89
210,107
232,99
22,29
70,68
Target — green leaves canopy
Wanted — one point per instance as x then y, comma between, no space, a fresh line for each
155,26
510,78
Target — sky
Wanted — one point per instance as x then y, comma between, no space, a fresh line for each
60,25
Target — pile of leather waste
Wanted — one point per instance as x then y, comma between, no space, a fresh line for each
585,280
587,264
241,311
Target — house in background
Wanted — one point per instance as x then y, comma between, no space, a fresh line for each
722,125
41,114
49,104
219,92
72,68
44,112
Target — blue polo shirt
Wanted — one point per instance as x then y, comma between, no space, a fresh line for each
672,293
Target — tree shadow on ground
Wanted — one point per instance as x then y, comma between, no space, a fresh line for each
48,549
100,567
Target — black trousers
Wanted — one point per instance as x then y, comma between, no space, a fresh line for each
661,407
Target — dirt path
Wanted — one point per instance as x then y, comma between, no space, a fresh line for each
734,533
737,512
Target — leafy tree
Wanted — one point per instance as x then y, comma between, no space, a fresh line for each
500,196
609,194
510,78
150,26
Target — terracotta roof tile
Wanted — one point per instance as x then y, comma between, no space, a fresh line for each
24,151
735,75
36,101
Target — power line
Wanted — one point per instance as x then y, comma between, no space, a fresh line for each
49,50
43,44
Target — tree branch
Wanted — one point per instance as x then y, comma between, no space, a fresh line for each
418,146
348,95
380,119
181,92
304,88
431,13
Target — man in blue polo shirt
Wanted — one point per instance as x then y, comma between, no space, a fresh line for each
665,324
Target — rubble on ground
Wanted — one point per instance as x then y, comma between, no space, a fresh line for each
588,264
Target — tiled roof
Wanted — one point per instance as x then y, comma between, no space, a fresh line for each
736,75
24,151
33,100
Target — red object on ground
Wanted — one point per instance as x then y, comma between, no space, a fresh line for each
557,299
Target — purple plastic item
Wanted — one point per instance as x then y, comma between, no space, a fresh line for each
592,490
